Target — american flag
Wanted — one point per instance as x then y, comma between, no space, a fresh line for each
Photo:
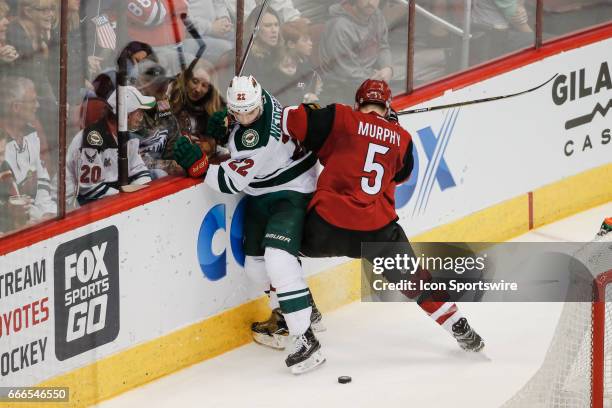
105,33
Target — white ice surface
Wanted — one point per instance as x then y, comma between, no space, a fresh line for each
396,356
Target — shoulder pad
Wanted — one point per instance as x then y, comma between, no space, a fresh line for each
98,137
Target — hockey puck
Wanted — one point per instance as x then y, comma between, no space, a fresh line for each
344,379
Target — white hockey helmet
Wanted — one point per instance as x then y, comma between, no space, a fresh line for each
244,94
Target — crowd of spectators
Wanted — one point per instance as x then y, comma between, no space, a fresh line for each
304,51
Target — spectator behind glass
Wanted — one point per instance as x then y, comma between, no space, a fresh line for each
284,9
17,113
30,34
158,23
267,51
92,169
296,64
506,28
7,189
135,52
8,53
316,11
212,20
82,68
354,47
160,128
194,98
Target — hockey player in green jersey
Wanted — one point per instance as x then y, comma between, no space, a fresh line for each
278,178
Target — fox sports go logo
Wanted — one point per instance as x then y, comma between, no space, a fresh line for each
214,266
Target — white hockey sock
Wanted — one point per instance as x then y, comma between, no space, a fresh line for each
444,313
272,298
291,289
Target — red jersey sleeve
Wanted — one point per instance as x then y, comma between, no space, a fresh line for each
309,124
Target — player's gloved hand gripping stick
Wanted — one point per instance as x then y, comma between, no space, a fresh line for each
190,157
217,126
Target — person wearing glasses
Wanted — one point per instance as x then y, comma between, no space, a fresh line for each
30,34
23,148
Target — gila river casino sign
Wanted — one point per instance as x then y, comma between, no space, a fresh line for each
86,292
594,84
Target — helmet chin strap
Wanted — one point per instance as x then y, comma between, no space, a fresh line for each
253,121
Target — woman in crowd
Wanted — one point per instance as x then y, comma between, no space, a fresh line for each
193,98
268,49
265,56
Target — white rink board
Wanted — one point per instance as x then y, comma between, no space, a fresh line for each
161,287
495,152
502,149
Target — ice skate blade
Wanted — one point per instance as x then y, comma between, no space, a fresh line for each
474,350
318,327
314,361
275,341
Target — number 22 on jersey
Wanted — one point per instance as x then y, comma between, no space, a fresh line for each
241,166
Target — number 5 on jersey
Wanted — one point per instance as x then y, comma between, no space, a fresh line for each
369,186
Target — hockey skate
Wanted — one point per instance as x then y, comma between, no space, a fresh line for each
273,332
306,354
316,319
466,337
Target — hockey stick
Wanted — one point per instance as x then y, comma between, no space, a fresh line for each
177,36
132,188
193,31
252,38
465,103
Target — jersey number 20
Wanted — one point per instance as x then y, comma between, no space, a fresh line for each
90,174
369,186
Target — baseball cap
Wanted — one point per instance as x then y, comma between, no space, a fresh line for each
134,100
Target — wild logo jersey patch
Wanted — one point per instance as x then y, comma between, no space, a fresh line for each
94,138
250,138
91,158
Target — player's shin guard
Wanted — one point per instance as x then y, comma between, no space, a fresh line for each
444,313
272,298
272,332
291,289
294,299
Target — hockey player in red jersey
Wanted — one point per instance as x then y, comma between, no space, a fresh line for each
365,155
158,23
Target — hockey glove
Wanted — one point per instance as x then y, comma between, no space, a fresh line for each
217,126
190,157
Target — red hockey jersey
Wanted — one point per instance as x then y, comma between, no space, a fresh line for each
156,22
364,156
